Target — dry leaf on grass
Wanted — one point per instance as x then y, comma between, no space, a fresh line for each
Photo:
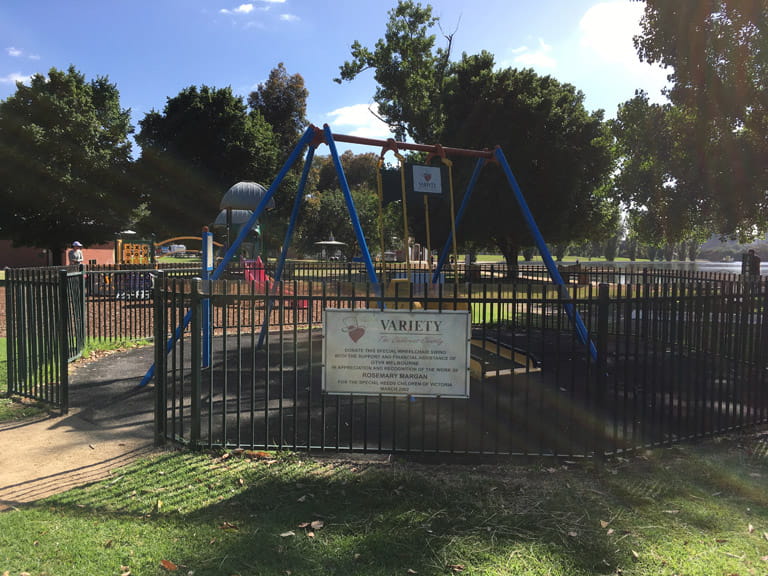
287,534
168,565
257,455
604,524
317,524
228,526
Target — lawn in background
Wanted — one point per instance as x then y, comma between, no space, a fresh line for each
699,509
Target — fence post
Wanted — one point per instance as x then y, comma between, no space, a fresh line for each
601,376
196,361
160,337
84,309
11,318
63,342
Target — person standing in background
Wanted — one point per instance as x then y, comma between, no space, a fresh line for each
75,255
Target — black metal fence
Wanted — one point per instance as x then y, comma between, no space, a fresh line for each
119,299
572,273
45,328
680,355
674,361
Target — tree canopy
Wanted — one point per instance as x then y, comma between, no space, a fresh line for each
559,152
282,102
325,212
717,55
202,143
64,158
409,71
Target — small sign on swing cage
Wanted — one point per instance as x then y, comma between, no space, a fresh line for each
427,179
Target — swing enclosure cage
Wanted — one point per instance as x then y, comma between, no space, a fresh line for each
404,362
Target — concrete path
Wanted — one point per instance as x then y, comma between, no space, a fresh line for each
110,424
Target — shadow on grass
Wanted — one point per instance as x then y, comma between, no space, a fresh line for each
247,515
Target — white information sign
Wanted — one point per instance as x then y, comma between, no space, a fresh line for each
396,352
426,179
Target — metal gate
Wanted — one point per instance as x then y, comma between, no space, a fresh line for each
45,316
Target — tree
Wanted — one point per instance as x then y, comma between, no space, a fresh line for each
559,153
202,143
359,170
64,159
645,184
325,211
409,72
282,102
325,214
717,54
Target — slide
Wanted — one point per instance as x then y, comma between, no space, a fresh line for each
253,271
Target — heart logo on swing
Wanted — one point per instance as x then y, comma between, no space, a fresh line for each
427,176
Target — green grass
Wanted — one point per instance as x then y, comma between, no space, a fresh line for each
94,347
3,366
13,408
687,510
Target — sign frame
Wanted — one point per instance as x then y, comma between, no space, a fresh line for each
411,353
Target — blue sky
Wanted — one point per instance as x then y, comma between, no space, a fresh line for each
152,49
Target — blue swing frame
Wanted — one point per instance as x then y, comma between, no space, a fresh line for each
312,138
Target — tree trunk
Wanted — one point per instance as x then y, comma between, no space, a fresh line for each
510,252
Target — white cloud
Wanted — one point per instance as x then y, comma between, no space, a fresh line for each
607,30
358,120
538,58
15,52
289,17
249,7
242,9
15,77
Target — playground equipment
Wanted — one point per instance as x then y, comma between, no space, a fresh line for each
233,220
177,239
237,205
315,136
491,359
131,250
254,272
